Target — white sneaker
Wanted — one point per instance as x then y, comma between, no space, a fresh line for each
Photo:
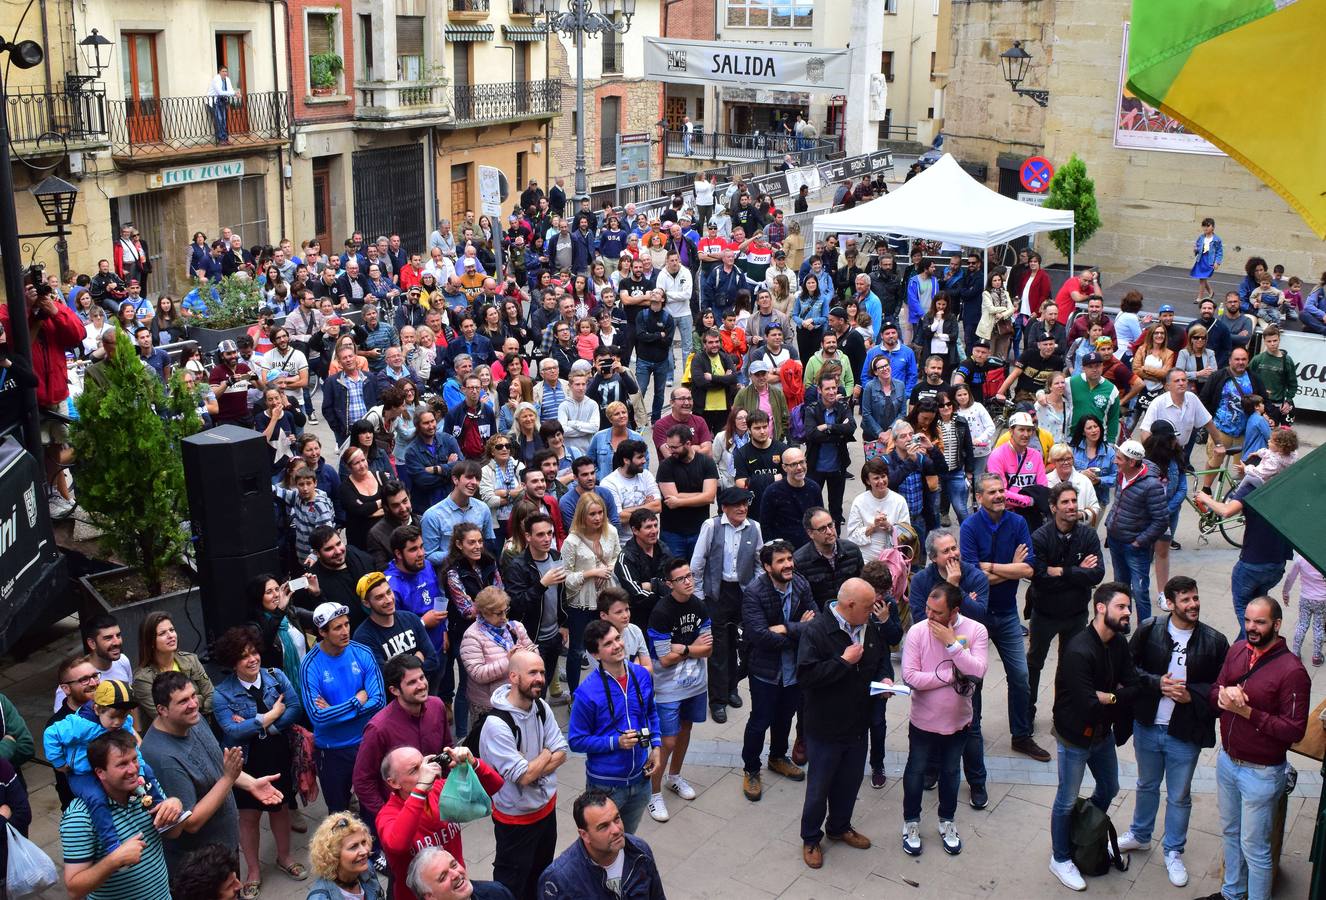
658,810
1067,874
1162,603
948,832
911,838
680,787
1178,872
1129,843
60,508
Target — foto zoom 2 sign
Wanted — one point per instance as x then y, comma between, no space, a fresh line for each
715,62
191,174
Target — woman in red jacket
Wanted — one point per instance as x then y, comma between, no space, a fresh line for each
1030,290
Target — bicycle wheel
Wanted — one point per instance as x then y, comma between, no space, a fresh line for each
1232,531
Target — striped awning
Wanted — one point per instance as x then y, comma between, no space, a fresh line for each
469,33
525,32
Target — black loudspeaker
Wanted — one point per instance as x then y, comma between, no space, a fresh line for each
222,580
228,477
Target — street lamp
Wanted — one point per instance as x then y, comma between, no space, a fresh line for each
1015,61
578,22
55,198
91,47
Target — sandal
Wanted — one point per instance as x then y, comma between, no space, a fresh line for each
250,890
297,871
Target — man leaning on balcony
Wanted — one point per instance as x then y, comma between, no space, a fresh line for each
223,94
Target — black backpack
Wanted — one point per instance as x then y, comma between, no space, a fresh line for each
1095,842
471,741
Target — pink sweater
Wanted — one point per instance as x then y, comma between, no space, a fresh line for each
487,663
1004,461
928,669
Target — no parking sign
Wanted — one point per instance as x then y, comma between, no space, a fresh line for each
1036,173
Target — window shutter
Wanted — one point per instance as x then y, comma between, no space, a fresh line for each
320,36
409,36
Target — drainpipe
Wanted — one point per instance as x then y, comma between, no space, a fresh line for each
46,57
276,79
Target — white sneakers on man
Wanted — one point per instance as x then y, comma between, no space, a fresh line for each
679,786
1178,872
1068,874
1130,844
658,810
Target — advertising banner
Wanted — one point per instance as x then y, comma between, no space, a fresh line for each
719,62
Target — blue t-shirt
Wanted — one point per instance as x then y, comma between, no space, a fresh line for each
1229,415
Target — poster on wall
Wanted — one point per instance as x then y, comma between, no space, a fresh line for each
1138,126
1309,354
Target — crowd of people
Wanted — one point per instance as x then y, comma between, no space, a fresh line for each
503,522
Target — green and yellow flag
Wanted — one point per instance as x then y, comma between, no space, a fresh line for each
1247,75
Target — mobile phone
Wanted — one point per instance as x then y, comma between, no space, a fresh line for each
297,584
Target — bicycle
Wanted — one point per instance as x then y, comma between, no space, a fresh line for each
1209,522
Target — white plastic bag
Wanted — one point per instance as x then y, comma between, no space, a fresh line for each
30,870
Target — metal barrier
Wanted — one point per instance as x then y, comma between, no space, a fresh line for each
724,145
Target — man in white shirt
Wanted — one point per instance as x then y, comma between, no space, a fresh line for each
876,512
222,91
676,284
704,198
288,364
1179,407
631,483
579,415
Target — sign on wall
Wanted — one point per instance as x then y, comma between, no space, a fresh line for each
729,62
183,175
633,153
1309,354
1138,126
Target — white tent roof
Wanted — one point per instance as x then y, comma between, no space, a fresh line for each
944,203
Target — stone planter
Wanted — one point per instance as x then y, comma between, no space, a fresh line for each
209,338
185,608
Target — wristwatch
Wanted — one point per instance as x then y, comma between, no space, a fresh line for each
686,651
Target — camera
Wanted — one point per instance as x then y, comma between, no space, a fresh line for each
966,685
443,759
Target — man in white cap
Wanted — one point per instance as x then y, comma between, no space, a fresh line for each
1136,519
341,688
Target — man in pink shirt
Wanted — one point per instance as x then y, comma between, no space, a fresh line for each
943,661
1020,464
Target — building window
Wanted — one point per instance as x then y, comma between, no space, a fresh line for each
770,13
323,45
886,64
366,46
242,205
929,112
932,64
612,51
610,111
409,48
890,7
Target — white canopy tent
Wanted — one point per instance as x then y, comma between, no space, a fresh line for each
944,203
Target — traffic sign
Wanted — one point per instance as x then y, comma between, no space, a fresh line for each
491,195
1036,173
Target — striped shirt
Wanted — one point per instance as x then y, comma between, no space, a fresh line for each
304,517
147,880
551,401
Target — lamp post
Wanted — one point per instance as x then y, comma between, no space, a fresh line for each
1015,61
578,22
55,198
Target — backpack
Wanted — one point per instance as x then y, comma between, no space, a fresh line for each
796,425
1095,842
471,741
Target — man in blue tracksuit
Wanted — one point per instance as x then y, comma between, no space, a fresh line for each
341,688
614,721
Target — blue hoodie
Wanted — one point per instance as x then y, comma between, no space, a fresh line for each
337,679
595,725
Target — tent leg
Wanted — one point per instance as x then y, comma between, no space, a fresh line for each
1072,241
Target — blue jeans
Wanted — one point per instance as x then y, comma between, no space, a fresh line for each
1249,581
926,749
1247,795
685,333
576,620
1073,763
772,707
1132,566
956,483
220,109
833,777
1159,755
1005,631
686,143
661,371
631,800
679,545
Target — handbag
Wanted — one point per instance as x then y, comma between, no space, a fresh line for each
303,766
1313,743
29,870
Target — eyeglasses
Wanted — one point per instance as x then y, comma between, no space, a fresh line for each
687,577
85,680
823,529
501,446
795,464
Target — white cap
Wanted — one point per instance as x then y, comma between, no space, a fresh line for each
326,613
1133,450
1021,418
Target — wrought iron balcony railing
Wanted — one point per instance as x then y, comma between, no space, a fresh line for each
143,127
505,100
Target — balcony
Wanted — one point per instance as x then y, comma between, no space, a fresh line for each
396,101
468,10
510,101
59,121
189,125
525,7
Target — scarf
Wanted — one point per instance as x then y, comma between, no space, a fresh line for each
289,653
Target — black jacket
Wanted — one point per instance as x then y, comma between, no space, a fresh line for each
653,335
762,607
701,365
1067,595
634,567
834,439
1086,666
825,579
836,695
1194,721
522,586
966,449
889,287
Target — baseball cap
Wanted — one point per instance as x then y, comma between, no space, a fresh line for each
838,312
734,496
712,225
1167,308
1163,428
981,342
780,254
1021,418
326,613
760,365
1104,341
114,694
1093,359
888,326
366,583
1133,450
227,347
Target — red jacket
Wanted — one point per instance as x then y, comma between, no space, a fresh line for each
393,727
1040,291
407,826
50,339
1280,694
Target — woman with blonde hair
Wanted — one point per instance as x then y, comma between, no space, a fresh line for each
589,553
604,443
486,648
341,854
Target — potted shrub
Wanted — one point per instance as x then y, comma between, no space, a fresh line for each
324,71
131,484
233,307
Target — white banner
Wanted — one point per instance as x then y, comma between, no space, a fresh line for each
715,62
1309,354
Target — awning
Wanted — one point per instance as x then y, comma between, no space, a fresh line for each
458,33
525,32
1294,502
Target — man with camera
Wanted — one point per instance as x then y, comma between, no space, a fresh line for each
943,662
411,818
614,722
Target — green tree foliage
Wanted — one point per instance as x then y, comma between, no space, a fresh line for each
234,301
130,472
1072,189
